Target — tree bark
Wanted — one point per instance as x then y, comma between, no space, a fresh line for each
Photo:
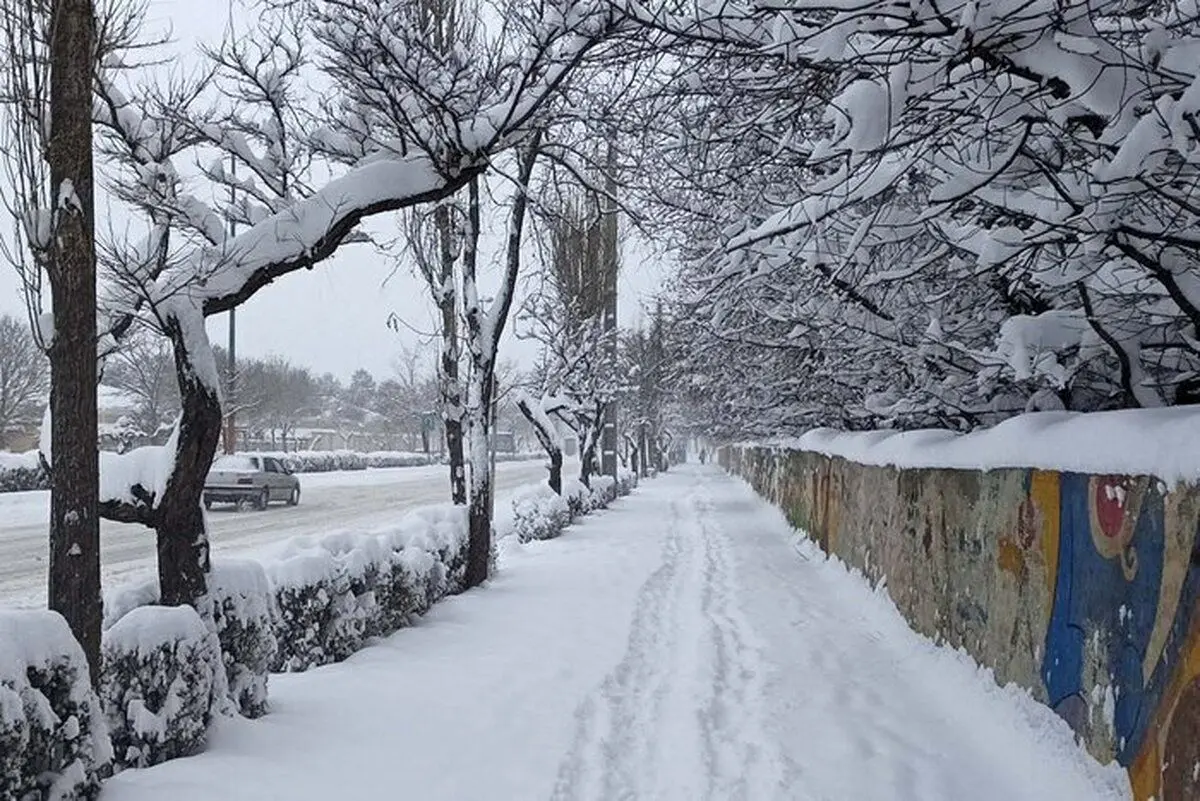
183,552
548,443
480,510
74,585
451,388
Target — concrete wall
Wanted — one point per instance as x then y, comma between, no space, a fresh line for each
1082,588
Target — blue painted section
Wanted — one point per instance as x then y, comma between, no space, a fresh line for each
1093,595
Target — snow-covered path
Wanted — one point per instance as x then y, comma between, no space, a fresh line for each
682,645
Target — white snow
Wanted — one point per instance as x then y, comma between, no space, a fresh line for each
1160,442
18,461
148,628
682,645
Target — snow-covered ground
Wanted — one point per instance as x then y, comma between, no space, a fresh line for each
329,502
682,645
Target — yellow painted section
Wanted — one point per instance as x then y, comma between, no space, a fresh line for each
1011,559
1044,490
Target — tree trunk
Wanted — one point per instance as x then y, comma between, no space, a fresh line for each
451,389
74,589
183,553
643,449
480,510
484,330
548,442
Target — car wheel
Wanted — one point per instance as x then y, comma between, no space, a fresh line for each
294,498
264,499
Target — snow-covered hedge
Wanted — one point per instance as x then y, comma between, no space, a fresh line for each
21,472
53,739
329,461
627,481
603,491
240,610
539,513
335,592
162,682
318,619
241,606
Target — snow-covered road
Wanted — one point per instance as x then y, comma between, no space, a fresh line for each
330,501
682,645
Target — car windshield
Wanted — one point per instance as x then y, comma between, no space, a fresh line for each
236,464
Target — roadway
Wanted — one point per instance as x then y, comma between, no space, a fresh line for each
329,502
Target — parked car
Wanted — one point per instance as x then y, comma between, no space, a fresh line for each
247,477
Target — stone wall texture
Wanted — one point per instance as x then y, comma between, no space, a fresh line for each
1084,589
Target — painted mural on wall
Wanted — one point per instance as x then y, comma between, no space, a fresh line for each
1085,589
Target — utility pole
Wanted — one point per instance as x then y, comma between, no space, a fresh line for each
231,378
608,436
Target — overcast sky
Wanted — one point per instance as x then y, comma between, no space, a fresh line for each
334,318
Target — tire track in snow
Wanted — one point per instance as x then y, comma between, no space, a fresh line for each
680,716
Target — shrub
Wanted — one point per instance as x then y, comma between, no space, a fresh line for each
627,481
539,513
603,491
578,497
162,681
316,622
53,739
22,472
241,608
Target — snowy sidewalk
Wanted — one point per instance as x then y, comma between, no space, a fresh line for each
681,645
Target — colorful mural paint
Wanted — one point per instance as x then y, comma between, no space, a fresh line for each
1085,589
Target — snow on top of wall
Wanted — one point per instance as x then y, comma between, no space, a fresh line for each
1164,443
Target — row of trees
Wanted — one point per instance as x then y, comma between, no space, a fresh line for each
272,397
929,214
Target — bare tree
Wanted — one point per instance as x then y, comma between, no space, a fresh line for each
143,368
24,379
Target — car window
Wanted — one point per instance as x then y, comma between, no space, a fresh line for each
235,463
272,466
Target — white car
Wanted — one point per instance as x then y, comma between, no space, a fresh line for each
247,477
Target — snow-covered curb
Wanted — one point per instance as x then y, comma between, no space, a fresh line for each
168,672
1164,443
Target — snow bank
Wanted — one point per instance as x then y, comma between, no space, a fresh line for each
53,739
1160,442
162,682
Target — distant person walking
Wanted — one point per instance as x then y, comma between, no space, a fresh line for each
703,455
